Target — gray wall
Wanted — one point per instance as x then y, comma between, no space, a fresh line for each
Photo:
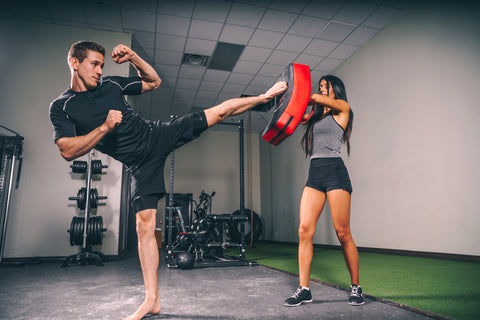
415,153
33,72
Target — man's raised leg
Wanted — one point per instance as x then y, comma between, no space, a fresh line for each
149,260
236,106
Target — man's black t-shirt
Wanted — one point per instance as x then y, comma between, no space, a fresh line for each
140,144
77,113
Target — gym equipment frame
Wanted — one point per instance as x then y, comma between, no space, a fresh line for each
11,148
177,258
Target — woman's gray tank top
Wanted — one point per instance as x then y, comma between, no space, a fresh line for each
327,138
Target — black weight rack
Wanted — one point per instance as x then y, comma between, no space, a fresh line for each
88,230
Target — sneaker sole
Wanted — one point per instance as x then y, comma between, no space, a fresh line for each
356,304
298,304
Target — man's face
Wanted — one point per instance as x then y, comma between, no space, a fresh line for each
89,71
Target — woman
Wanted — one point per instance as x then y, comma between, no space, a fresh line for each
330,124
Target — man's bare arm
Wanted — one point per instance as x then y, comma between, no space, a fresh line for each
150,77
73,147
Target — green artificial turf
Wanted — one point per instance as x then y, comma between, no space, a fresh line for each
447,288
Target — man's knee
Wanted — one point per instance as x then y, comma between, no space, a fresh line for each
146,221
215,115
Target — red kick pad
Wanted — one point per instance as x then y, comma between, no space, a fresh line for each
291,105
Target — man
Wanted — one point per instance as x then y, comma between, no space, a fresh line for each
93,113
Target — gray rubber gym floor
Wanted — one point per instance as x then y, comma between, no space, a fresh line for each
113,291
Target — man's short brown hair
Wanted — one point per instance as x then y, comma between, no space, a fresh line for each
79,50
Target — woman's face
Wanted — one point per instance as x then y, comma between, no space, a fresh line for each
326,89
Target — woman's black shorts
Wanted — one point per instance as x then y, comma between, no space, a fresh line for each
328,174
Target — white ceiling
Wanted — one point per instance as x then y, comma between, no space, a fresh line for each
321,34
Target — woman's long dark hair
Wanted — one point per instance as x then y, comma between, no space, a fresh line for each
340,93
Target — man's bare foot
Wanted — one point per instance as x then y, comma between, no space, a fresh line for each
146,308
276,89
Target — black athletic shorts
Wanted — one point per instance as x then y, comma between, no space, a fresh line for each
328,174
148,181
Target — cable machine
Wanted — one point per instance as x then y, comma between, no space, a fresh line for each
190,247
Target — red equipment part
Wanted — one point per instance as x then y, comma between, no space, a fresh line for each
291,105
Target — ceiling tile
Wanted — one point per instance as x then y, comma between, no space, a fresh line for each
170,43
202,29
184,96
168,82
225,96
263,81
320,47
34,10
138,20
282,58
328,65
307,26
343,51
293,43
168,57
249,67
232,90
296,6
275,20
255,90
382,16
144,5
236,34
211,86
103,15
336,31
163,92
105,2
309,60
191,73
185,83
355,12
256,54
260,3
200,46
145,39
216,75
167,71
172,25
213,10
399,4
205,99
179,8
360,36
245,15
265,39
323,9
239,78
61,11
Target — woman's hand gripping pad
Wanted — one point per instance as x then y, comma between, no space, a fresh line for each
291,105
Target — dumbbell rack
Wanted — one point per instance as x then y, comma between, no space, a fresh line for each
89,230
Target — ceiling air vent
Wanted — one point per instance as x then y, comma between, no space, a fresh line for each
194,60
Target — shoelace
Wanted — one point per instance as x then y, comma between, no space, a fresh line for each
297,293
354,291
